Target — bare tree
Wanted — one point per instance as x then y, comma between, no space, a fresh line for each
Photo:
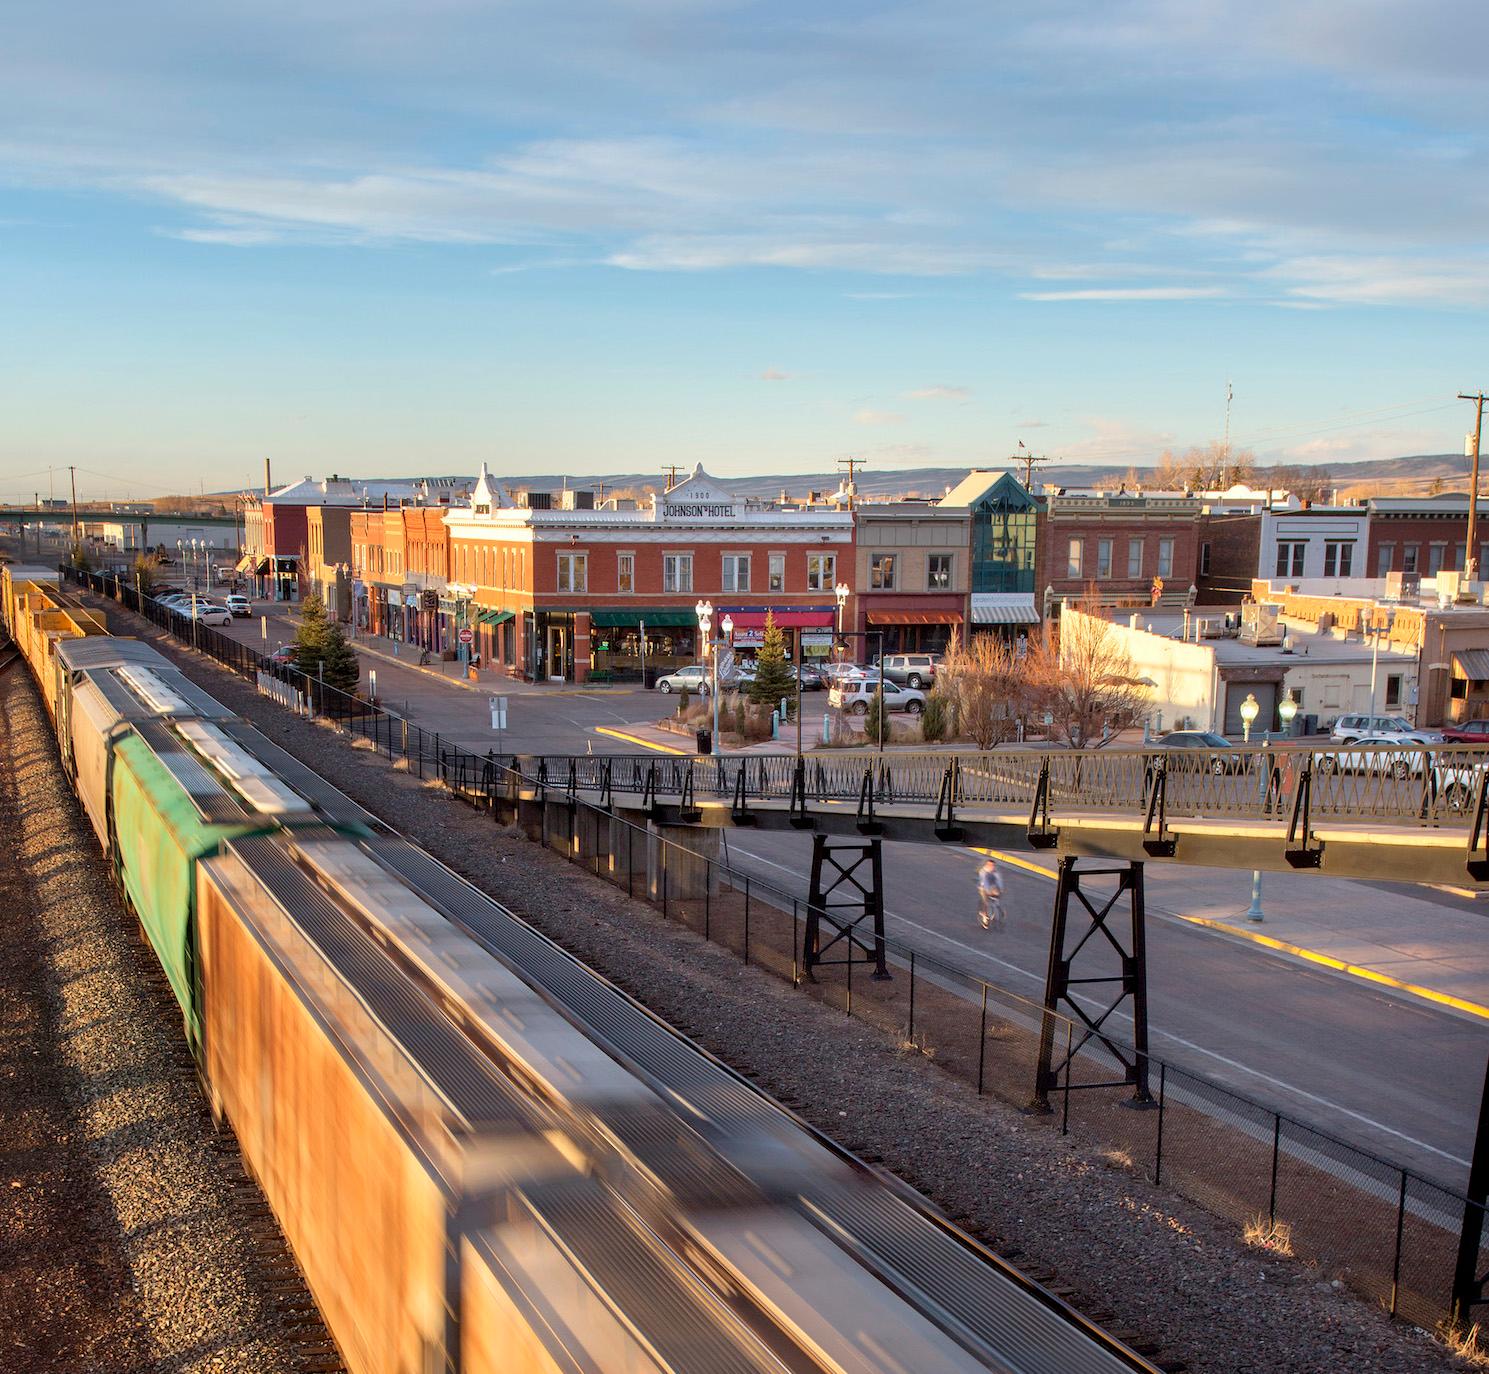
1084,679
985,687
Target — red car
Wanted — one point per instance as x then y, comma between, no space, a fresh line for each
1467,732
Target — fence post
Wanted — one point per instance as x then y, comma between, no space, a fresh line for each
1158,1148
982,1040
910,1033
747,920
1400,1229
795,942
1276,1150
849,1008
1065,1107
664,880
708,899
630,859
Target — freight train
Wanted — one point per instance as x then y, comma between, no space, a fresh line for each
484,1156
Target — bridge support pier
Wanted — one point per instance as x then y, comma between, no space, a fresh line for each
851,871
1096,914
685,856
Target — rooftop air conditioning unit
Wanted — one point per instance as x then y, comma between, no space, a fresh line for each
1403,586
535,500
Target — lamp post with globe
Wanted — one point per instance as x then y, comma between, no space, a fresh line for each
1250,709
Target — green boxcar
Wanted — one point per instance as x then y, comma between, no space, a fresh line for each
160,835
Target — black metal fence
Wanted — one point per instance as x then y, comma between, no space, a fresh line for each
1391,1233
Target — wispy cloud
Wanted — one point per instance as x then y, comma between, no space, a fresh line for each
877,417
775,374
1129,293
939,393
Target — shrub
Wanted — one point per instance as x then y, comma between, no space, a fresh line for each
684,701
933,721
876,727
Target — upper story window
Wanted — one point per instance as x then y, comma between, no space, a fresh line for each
1134,558
1385,555
1103,558
1165,558
881,572
573,572
736,572
625,572
1074,558
777,572
938,572
1339,558
1290,555
822,571
677,572
1409,558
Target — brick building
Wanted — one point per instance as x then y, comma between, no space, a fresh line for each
561,587
912,575
1121,543
1229,549
1424,536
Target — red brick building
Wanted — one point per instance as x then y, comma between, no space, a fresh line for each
1119,542
1424,536
560,587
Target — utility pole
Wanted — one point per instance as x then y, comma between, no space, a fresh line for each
852,465
77,542
1225,462
672,470
1028,458
1470,551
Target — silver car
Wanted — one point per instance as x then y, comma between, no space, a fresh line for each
854,694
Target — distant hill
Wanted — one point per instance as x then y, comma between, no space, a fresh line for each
1385,476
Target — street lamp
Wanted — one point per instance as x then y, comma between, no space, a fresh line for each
704,611
1249,712
1287,710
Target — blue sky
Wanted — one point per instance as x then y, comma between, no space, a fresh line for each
585,238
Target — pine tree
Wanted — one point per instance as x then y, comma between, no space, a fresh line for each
343,669
876,721
321,649
773,678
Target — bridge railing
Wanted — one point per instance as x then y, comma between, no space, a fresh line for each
1427,784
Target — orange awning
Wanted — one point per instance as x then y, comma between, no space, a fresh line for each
914,618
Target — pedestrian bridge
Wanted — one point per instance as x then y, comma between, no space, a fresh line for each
1418,813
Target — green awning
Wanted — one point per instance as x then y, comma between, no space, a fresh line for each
671,619
494,617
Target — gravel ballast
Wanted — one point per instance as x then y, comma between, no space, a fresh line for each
130,1238
1134,1256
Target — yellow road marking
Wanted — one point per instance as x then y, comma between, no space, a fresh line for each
636,739
1003,857
1354,970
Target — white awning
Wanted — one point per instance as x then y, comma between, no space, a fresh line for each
1004,608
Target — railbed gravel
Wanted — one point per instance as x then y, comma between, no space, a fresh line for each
130,1238
1149,1262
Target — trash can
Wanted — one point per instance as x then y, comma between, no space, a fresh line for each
705,741
649,678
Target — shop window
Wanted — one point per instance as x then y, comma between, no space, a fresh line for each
938,572
822,571
777,572
881,572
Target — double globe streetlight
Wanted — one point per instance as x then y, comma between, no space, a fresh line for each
704,611
1287,710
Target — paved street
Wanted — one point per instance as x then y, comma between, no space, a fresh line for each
1368,1063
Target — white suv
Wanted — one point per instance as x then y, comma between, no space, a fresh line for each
853,694
912,670
1349,728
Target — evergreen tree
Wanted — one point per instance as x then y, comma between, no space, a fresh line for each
876,721
146,565
773,679
321,649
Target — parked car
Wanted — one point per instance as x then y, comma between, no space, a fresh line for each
854,695
811,678
238,604
283,655
1200,751
695,677
1386,754
209,614
1467,732
1352,727
912,670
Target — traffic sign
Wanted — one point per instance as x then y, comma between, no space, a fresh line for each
498,712
467,636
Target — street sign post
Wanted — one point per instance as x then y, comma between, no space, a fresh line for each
498,719
467,635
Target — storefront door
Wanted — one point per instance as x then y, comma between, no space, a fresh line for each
557,664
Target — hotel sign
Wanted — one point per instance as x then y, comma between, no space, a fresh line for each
700,510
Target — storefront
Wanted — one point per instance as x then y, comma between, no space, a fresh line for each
814,624
916,631
617,647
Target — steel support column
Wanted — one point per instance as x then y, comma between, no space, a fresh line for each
1468,1281
1128,986
845,897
